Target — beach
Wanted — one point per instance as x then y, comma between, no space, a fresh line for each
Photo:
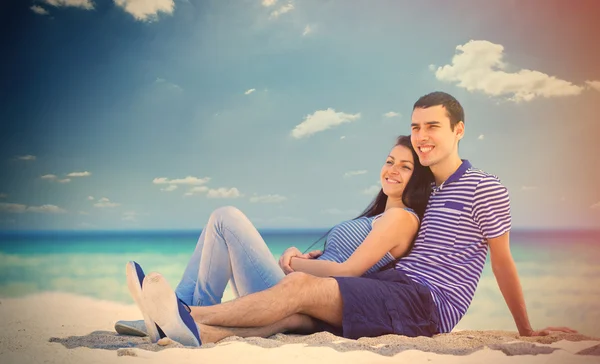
66,328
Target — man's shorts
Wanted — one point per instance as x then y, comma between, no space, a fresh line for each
386,302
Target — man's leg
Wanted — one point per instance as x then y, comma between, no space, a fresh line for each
296,293
300,324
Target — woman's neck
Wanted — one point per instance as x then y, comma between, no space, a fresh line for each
394,202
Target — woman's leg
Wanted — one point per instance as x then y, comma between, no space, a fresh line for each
229,248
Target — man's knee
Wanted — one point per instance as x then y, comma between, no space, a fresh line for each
310,293
296,279
301,282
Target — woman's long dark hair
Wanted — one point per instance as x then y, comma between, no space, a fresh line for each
415,195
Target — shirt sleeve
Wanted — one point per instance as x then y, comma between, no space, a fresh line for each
491,207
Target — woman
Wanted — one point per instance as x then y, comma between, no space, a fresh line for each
231,249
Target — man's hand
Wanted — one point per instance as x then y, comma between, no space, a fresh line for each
286,258
547,330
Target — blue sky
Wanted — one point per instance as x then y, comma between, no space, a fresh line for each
149,115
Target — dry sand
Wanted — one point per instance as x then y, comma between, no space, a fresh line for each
64,328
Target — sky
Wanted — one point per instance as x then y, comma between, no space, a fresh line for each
129,114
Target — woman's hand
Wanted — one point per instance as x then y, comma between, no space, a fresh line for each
286,259
313,254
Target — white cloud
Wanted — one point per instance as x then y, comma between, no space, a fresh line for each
130,216
26,157
53,177
479,66
196,190
481,137
79,174
595,206
83,213
39,10
282,10
3,195
322,120
91,198
268,199
189,180
391,114
83,4
46,209
593,84
354,173
307,30
17,208
529,188
249,91
342,137
146,10
169,188
105,202
373,190
336,211
223,193
169,85
268,3
14,208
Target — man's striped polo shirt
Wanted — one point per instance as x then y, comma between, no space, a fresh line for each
449,253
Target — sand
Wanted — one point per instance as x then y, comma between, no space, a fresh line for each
65,328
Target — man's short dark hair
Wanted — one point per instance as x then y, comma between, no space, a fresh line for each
453,108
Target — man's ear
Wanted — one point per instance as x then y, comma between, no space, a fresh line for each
459,128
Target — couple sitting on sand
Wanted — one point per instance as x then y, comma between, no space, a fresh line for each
409,265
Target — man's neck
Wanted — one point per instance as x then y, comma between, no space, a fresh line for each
443,170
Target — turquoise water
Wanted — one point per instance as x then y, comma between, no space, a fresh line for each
559,271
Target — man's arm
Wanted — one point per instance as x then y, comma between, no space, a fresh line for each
396,227
505,271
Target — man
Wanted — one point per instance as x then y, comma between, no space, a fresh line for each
427,292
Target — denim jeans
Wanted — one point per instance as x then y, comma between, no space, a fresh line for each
229,248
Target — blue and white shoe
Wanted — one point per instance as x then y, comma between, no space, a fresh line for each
168,311
135,279
131,328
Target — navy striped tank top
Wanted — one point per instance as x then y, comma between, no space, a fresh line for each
345,238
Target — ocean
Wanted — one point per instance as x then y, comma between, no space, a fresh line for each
559,270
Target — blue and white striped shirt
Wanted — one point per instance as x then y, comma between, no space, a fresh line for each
451,247
345,238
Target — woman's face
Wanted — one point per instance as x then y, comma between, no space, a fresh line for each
396,171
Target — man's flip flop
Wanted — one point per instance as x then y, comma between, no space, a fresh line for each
163,306
135,279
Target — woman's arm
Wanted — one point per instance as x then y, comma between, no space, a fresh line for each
397,227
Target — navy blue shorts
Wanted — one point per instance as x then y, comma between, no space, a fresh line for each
386,302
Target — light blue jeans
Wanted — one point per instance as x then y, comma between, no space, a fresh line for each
229,248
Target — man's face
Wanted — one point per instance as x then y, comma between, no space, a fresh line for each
432,137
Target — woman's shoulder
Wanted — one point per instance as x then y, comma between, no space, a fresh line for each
397,212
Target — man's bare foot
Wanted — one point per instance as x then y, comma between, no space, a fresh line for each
209,334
